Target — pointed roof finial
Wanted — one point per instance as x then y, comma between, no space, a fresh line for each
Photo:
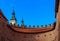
13,13
13,16
22,22
13,20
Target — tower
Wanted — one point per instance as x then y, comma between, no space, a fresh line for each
22,22
13,20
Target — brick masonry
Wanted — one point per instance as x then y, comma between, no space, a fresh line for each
12,33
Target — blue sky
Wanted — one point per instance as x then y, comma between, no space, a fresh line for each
34,12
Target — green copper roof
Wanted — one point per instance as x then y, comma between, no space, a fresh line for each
22,22
13,16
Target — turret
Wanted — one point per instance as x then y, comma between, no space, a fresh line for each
13,20
22,22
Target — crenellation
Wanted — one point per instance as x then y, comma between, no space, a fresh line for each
10,24
18,25
29,26
37,26
33,26
45,25
41,25
50,25
25,26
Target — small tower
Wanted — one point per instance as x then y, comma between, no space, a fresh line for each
13,20
22,23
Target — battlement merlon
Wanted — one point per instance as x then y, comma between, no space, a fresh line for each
33,30
32,26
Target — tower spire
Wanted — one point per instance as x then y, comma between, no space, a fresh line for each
13,13
13,20
22,22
